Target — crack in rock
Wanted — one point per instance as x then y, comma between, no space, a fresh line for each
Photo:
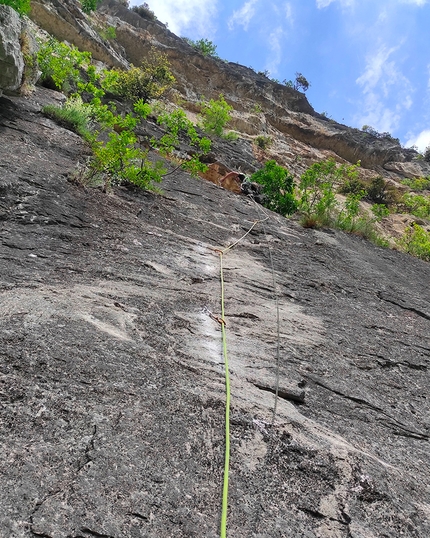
406,432
291,394
384,297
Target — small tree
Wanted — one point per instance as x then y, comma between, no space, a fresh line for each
206,47
89,5
427,154
278,188
300,83
215,115
416,241
149,81
60,64
317,191
377,192
145,12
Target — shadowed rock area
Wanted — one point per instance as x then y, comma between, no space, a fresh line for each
111,369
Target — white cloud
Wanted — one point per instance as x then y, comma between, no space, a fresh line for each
243,16
347,3
289,12
379,71
421,140
325,3
275,45
387,93
378,116
284,10
415,2
195,16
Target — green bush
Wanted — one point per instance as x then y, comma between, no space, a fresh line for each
118,156
89,5
278,188
215,115
380,211
319,206
204,46
149,81
416,241
317,191
145,12
231,135
352,186
379,192
20,6
119,160
417,204
176,123
263,142
418,184
109,32
74,115
60,64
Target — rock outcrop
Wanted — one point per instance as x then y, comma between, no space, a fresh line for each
65,21
11,60
111,366
112,374
286,114
287,111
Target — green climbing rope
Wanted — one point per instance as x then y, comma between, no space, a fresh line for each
227,411
223,533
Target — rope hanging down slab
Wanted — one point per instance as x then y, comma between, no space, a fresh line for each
227,411
223,530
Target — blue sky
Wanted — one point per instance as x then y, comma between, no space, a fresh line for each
368,61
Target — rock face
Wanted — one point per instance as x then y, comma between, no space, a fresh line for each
11,60
409,170
111,364
65,20
287,113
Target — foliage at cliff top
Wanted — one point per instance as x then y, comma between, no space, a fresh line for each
204,46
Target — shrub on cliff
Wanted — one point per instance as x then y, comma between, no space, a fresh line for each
278,188
215,115
300,83
74,115
149,81
60,64
21,6
89,6
380,192
263,142
418,183
145,12
204,46
417,204
317,191
416,241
